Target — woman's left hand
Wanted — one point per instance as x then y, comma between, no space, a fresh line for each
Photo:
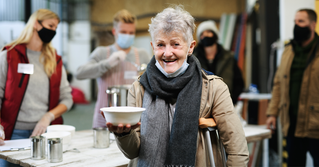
121,129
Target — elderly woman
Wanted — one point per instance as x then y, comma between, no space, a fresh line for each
176,93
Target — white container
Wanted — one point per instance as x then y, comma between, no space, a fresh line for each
61,128
123,115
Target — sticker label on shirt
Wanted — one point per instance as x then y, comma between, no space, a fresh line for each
130,74
25,68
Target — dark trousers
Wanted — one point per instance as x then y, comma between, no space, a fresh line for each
297,150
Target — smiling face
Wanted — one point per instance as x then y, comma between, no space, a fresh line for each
171,50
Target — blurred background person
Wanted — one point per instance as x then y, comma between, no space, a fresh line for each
295,92
34,91
214,58
171,90
114,65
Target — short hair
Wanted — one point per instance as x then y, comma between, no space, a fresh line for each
311,14
124,16
173,20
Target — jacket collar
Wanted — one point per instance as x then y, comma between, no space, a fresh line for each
21,48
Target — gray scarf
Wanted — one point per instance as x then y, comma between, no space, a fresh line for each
159,146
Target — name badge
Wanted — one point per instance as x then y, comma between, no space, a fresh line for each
130,74
25,68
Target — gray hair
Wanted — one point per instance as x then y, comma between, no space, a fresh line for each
173,20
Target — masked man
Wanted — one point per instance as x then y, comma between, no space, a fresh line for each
295,94
214,58
115,64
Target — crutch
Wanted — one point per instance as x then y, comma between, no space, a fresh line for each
209,126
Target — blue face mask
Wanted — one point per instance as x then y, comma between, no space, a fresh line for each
125,40
177,73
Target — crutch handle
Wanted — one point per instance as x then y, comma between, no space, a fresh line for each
206,122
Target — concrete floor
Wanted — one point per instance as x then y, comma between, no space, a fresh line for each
80,116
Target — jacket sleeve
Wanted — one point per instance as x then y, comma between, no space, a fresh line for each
65,91
229,126
275,97
273,107
130,144
3,74
96,67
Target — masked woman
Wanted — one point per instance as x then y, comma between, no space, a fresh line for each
34,91
176,92
214,58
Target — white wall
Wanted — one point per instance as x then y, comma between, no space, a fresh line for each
78,52
145,43
61,39
10,30
288,9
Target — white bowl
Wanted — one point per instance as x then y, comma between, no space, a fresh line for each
66,138
123,115
61,128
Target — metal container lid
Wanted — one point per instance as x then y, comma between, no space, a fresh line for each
36,138
100,128
112,90
55,140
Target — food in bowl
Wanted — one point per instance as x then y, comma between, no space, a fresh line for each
122,115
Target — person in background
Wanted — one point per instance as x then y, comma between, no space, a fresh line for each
174,89
115,64
295,93
34,91
214,58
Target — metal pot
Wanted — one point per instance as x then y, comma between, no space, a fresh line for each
117,95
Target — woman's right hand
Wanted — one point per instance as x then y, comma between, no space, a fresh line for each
2,136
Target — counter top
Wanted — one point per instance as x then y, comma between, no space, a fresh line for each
108,157
256,133
88,156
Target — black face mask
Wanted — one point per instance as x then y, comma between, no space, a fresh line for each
209,41
46,35
301,33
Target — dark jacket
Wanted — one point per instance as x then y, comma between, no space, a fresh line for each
225,66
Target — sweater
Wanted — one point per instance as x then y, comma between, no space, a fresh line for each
99,64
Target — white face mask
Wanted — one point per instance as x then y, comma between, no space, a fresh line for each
125,40
178,72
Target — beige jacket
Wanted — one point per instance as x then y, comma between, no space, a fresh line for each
308,111
216,103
